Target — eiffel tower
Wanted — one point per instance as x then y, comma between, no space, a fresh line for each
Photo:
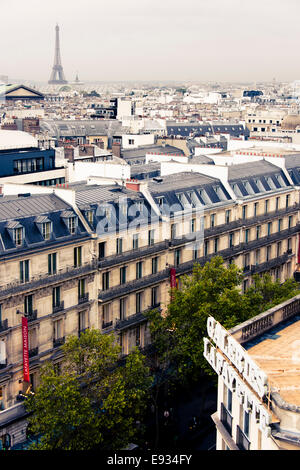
57,75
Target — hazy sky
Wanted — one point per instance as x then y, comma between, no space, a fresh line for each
215,40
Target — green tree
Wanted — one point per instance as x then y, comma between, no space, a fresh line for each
94,401
265,293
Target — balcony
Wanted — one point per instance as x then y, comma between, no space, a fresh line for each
80,332
83,298
57,308
3,325
130,321
31,316
132,254
133,285
226,419
33,352
42,280
58,342
242,440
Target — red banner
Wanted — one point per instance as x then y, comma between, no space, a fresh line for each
25,350
173,278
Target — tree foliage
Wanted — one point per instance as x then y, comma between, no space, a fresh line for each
94,402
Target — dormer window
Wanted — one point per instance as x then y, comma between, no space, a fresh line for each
16,231
72,225
70,220
90,216
45,226
18,236
46,230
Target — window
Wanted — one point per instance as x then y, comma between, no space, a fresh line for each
289,244
287,200
231,240
279,224
52,263
82,321
227,216
123,308
177,257
46,230
58,329
154,296
255,209
56,297
81,289
151,234
269,228
258,231
155,265
72,225
277,203
246,423
18,236
212,220
229,400
119,245
246,235
257,257
195,251
137,335
28,304
173,231
135,241
290,221
206,247
24,271
139,269
106,316
266,206
193,225
105,280
268,253
216,244
77,257
101,250
279,245
90,217
123,272
244,215
139,302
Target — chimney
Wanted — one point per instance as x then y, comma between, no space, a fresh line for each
134,185
69,153
116,149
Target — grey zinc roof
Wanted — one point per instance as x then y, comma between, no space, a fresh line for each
69,128
249,169
30,206
292,161
180,181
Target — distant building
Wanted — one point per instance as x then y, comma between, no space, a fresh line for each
20,92
22,161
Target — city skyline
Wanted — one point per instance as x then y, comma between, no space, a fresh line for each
149,41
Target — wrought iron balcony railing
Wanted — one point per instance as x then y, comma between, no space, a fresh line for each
58,307
33,352
58,342
45,279
83,298
3,325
